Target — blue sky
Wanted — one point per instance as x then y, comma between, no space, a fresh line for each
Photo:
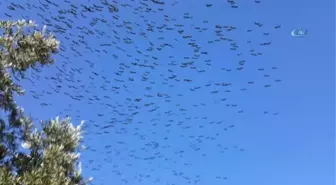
293,143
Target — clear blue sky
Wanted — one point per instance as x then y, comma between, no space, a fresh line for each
285,133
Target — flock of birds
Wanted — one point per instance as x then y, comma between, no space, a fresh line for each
160,87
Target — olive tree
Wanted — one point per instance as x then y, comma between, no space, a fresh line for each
31,156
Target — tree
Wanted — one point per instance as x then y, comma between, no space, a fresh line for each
29,156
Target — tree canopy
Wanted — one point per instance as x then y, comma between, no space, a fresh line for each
31,156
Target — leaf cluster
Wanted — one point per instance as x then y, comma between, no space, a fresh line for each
29,156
